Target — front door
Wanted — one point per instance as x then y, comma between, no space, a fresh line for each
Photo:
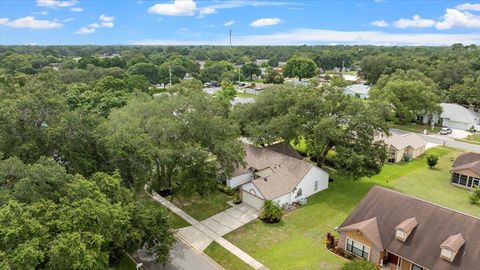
392,259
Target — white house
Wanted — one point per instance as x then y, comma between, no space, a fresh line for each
358,90
277,174
455,116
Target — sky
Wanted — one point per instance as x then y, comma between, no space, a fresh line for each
261,22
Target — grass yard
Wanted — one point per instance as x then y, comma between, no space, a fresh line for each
414,127
245,95
226,259
473,138
200,207
297,242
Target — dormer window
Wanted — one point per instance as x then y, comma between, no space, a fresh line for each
404,229
451,246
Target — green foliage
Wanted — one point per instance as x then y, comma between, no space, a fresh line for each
250,69
314,116
213,71
270,212
432,160
148,70
181,136
273,76
299,66
358,265
474,195
58,221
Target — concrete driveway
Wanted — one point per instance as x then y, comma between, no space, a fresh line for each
221,223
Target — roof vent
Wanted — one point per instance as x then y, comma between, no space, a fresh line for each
404,229
451,246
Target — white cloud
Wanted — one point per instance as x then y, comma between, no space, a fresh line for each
468,6
30,22
320,36
456,18
265,22
207,11
85,30
76,9
417,22
56,3
380,23
104,22
229,23
68,20
175,8
41,13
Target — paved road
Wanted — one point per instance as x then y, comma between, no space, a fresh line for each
440,140
182,257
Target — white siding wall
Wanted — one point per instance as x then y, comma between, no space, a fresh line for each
308,183
251,188
285,199
239,180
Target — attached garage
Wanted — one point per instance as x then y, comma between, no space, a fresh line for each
456,125
252,200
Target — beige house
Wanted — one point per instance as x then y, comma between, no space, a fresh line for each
398,232
404,147
466,171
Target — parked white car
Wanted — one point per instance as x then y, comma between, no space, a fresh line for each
445,131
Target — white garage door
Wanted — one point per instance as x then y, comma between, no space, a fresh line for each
457,125
251,200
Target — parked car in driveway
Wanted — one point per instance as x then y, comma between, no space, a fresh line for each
445,131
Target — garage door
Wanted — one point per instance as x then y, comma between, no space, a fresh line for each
251,200
457,125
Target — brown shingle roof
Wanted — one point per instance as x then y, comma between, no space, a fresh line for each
453,242
467,161
287,171
404,140
369,228
286,149
435,224
407,225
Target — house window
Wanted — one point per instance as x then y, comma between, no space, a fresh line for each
455,178
463,180
315,185
416,267
299,193
358,249
476,182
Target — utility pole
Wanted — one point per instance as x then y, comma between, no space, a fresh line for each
170,74
343,65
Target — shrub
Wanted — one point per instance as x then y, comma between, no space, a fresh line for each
358,265
225,189
330,241
339,251
432,160
270,212
237,199
474,195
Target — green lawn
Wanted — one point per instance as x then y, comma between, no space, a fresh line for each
241,94
414,127
473,138
200,207
225,258
297,242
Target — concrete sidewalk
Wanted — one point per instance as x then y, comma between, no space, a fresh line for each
203,236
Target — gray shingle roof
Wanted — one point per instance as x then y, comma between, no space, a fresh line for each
457,113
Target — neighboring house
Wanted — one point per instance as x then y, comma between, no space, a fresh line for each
358,90
404,147
466,170
349,78
454,116
276,173
397,231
